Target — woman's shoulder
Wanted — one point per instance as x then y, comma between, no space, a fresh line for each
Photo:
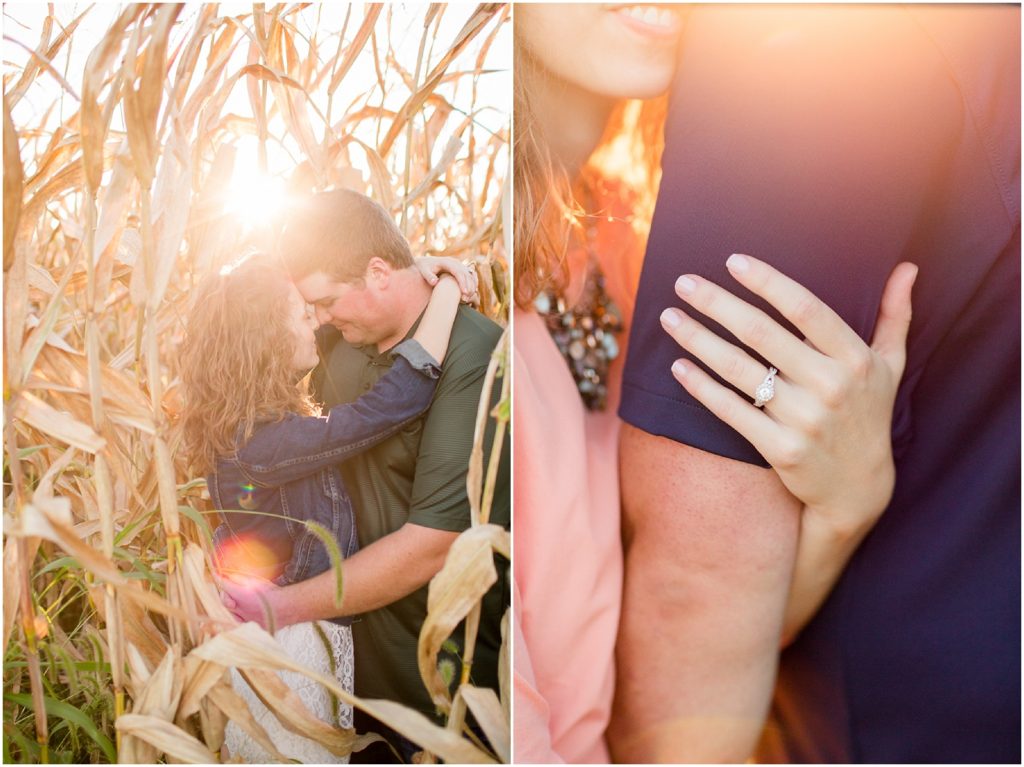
265,439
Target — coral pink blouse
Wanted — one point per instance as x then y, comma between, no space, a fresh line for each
568,550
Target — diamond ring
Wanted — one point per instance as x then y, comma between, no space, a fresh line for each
766,389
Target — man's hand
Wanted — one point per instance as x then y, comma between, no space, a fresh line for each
250,599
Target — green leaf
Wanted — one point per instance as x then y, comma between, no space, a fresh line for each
69,562
127,529
25,452
201,522
504,410
29,748
89,666
71,715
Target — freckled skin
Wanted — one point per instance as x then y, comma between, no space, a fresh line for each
729,565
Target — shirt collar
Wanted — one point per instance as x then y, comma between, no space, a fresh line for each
370,350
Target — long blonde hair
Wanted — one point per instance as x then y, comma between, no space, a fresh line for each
236,360
546,204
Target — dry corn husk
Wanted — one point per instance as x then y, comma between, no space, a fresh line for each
116,179
467,575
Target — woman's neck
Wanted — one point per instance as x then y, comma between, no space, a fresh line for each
571,120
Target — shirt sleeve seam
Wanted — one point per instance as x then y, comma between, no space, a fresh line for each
997,171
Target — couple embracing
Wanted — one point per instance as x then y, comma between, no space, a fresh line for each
373,447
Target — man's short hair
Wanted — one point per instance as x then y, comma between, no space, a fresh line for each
338,232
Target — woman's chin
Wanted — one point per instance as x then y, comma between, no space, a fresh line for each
303,370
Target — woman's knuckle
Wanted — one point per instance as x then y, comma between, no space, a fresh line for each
733,367
756,332
806,309
705,297
686,333
861,363
726,410
790,452
814,422
834,389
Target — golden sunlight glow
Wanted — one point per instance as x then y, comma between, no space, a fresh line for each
248,557
255,198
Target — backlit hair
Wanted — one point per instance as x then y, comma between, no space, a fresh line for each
338,232
546,207
236,359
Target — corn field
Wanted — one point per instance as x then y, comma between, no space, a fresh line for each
175,145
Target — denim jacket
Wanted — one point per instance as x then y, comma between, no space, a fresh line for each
287,471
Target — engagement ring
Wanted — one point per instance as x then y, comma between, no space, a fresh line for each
766,389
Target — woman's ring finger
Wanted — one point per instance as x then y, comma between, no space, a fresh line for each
765,391
731,363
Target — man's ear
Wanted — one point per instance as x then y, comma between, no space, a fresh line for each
378,273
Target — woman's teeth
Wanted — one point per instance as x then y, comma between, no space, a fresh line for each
649,14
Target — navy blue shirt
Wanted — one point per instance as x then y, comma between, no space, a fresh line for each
834,142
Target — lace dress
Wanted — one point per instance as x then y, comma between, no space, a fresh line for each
304,644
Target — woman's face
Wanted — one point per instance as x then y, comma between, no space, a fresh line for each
302,323
614,50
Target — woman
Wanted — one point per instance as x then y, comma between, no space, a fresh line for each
271,458
580,228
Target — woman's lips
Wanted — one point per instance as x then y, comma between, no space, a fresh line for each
651,21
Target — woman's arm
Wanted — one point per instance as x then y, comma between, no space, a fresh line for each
827,430
435,326
299,446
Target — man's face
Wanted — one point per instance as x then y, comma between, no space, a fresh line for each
352,307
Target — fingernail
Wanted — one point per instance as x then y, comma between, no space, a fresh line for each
679,368
738,263
685,286
670,319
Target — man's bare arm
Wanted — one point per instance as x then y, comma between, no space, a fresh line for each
385,571
710,545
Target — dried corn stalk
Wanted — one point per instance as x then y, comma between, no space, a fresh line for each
126,133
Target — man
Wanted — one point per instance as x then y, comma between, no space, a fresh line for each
834,142
352,264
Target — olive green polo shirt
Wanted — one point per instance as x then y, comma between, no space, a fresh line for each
419,475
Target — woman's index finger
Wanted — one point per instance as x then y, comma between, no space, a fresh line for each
825,329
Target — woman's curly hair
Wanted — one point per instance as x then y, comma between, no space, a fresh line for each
236,359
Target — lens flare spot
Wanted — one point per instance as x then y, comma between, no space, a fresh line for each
248,556
245,499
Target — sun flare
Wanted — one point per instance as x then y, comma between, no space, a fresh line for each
255,198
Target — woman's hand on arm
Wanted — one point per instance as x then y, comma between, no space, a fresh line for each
249,598
432,267
827,430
